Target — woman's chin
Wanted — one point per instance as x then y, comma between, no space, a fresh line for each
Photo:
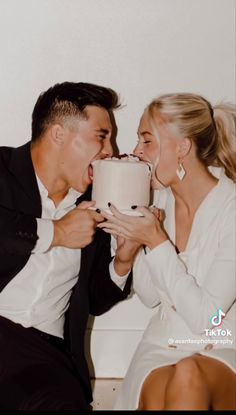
156,185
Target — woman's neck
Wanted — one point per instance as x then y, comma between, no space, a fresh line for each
196,185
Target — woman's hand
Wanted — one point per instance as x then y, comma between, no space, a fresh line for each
145,230
125,255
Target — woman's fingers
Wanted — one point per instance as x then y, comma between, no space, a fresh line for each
118,217
128,218
144,212
117,229
158,213
121,216
112,226
117,233
110,220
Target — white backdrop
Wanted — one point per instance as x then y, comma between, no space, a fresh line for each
141,48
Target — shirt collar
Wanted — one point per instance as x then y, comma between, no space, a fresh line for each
69,199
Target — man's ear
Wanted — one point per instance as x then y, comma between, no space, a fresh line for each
183,148
57,134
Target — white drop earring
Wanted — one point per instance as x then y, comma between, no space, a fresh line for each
180,171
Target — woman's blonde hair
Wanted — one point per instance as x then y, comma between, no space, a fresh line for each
212,128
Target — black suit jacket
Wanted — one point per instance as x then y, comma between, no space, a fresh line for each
20,205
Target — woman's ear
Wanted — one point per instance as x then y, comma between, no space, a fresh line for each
183,148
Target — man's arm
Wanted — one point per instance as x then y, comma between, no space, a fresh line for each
23,234
18,232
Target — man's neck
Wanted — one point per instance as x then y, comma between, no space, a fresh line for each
47,170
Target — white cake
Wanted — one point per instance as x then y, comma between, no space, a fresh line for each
123,182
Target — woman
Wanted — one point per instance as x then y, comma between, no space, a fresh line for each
186,266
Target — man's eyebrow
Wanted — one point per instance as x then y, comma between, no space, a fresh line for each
102,130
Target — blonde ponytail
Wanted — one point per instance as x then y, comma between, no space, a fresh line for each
212,129
225,121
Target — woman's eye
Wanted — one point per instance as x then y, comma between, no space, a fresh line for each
147,142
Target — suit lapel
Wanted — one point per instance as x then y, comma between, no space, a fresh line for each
21,167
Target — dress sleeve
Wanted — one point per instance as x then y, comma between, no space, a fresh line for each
143,283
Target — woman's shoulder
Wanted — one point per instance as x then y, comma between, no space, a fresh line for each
225,183
227,189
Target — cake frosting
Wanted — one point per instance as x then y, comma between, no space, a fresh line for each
123,181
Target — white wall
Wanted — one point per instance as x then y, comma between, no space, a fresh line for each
141,48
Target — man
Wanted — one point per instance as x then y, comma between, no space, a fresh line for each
55,266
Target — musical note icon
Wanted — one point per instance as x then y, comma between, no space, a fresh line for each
216,320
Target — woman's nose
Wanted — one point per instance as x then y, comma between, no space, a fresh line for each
138,151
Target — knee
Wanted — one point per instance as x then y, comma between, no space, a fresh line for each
188,373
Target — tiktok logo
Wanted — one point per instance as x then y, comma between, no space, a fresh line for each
216,320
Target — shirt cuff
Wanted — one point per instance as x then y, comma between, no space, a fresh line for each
118,280
161,251
45,232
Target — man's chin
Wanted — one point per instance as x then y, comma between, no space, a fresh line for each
84,186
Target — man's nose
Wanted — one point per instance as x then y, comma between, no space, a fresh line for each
107,150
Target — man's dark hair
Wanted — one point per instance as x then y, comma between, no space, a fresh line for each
69,99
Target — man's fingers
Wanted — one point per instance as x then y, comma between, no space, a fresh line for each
111,218
96,216
86,204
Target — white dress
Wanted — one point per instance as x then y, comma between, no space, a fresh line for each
187,290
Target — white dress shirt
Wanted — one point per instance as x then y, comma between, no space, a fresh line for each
39,294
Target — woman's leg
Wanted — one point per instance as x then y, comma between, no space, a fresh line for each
152,396
221,382
196,382
187,388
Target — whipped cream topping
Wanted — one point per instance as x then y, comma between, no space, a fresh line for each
129,157
126,157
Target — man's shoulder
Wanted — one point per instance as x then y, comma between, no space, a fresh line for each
6,152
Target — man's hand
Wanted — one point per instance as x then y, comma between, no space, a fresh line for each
77,228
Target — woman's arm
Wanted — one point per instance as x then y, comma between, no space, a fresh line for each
143,284
197,304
